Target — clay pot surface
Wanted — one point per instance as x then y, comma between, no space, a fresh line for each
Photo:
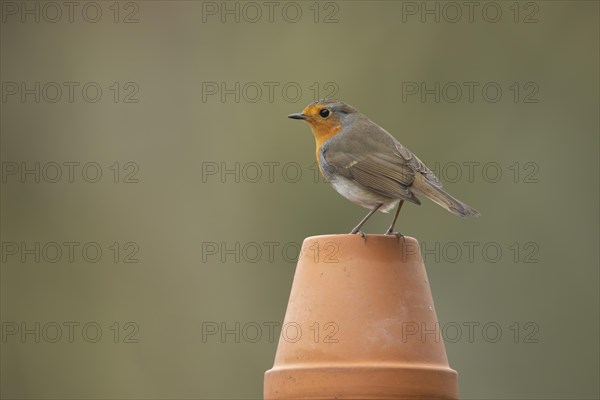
360,324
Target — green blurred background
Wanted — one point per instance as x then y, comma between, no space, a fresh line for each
173,212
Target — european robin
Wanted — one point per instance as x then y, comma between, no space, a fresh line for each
368,166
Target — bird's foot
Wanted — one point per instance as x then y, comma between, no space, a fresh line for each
397,234
361,233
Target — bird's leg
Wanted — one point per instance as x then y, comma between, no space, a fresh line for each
361,223
390,230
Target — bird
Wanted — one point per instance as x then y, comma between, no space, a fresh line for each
368,166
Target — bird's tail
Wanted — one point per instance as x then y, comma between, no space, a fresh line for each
445,200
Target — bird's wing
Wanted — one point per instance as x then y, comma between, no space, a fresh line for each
379,172
416,164
377,161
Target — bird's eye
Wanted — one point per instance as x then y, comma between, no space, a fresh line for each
324,113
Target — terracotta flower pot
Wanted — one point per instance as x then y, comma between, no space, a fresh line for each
360,324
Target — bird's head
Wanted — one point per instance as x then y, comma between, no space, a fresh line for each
326,118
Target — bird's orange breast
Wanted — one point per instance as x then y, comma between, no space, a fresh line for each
322,134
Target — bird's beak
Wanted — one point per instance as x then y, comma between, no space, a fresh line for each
298,116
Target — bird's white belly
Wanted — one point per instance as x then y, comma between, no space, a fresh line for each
361,196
